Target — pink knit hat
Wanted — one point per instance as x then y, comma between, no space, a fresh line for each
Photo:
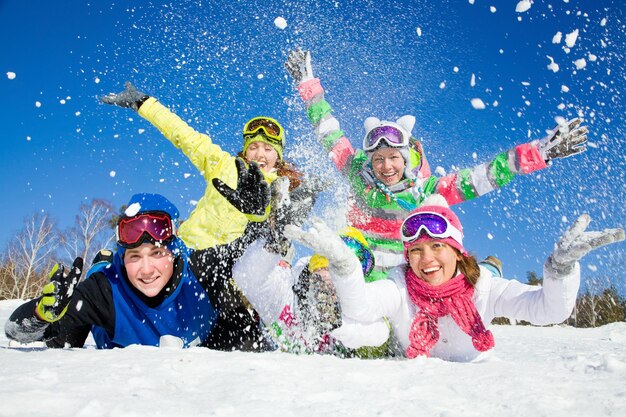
437,204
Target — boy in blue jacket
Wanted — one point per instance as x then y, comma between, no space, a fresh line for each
154,286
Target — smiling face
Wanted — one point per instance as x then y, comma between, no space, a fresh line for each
149,268
433,261
388,165
263,154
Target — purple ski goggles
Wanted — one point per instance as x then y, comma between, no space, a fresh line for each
393,136
434,224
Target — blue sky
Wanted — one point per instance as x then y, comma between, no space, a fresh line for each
220,63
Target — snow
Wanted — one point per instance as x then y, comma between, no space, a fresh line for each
132,209
580,63
556,371
570,38
478,104
523,6
552,66
280,23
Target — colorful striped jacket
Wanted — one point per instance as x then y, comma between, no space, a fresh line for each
379,213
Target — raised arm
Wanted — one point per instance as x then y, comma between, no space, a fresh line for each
470,183
198,147
319,112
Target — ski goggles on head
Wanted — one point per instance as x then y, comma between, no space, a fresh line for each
154,227
270,127
393,136
365,255
433,224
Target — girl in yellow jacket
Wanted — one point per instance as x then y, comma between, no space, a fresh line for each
214,221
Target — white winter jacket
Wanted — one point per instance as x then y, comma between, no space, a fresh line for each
269,288
493,297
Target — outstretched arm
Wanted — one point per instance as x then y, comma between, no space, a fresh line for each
198,147
470,183
66,311
319,112
554,301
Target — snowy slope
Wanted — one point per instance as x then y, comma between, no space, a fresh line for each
554,371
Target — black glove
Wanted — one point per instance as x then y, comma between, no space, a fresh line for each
130,97
252,196
58,292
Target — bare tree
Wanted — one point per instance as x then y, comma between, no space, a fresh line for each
30,254
7,283
91,232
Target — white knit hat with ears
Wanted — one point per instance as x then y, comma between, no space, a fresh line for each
405,124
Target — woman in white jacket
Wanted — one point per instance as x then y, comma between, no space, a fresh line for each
442,302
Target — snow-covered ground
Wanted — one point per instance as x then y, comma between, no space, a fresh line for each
554,371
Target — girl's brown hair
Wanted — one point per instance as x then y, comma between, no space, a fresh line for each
285,169
469,267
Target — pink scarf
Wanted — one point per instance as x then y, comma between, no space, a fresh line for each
453,298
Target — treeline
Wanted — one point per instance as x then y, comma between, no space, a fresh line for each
595,307
31,253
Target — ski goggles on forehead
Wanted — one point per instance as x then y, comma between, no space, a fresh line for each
154,227
393,136
365,256
433,224
270,128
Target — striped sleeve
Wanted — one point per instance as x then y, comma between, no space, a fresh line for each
327,128
473,182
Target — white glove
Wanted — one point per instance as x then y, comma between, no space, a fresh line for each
576,243
567,139
299,65
355,334
327,243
